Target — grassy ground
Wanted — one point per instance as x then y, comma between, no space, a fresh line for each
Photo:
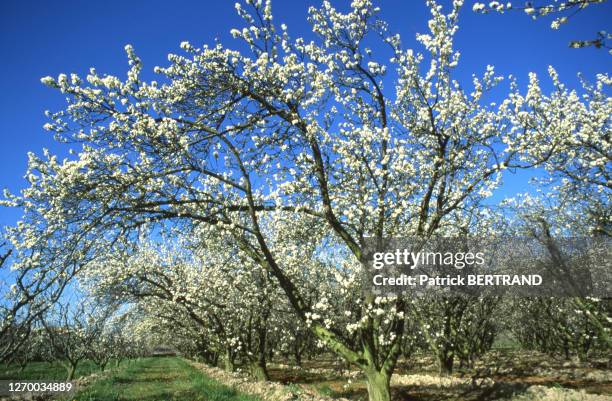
174,379
159,379
45,371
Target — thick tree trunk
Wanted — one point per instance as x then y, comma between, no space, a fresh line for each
446,364
378,385
259,370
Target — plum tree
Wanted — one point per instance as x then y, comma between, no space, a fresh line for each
72,332
288,134
562,11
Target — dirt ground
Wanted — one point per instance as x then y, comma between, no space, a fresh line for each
502,375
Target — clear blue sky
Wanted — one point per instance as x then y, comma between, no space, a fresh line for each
39,38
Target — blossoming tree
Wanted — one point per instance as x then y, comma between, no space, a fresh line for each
562,11
226,299
72,332
336,134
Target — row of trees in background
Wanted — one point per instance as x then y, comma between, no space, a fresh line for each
72,334
232,314
228,203
453,340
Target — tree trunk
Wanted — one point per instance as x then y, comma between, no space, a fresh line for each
228,361
378,386
446,364
297,355
71,372
298,359
259,370
270,352
566,350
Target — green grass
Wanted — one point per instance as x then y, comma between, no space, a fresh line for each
324,389
159,379
45,370
506,341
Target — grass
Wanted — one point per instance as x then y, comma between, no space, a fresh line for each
45,370
324,389
159,379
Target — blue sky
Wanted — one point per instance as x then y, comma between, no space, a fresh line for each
39,38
